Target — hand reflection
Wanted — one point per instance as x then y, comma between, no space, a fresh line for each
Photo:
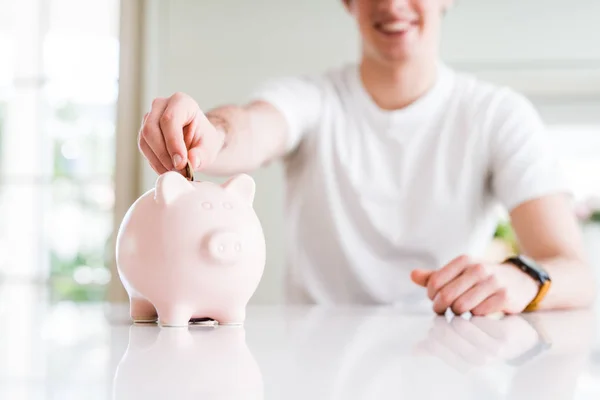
199,362
465,344
548,351
369,353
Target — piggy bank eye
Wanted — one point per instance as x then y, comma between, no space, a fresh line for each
227,205
206,205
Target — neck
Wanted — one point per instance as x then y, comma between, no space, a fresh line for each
396,86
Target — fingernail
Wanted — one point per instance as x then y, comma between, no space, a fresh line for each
176,160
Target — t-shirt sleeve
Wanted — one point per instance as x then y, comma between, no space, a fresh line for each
524,161
298,99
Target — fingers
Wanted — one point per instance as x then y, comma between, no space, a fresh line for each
440,278
151,134
472,297
460,344
420,276
493,304
446,342
145,149
180,111
189,131
458,287
478,337
155,163
206,144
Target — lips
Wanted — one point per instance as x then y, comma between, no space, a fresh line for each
395,27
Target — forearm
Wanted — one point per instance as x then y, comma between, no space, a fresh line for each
573,283
548,232
252,137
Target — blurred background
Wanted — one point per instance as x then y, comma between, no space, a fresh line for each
76,77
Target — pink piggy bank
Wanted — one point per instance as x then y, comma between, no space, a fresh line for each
191,250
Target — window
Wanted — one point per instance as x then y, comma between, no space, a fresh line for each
58,93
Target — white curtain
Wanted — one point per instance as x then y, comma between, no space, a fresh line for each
128,168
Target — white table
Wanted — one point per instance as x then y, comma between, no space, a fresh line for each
72,352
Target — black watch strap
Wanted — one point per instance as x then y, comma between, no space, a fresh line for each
535,271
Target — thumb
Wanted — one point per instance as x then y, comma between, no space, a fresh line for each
180,111
206,144
202,155
420,276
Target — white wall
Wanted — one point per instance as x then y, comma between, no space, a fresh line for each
523,32
217,51
546,48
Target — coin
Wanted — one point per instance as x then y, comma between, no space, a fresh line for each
189,171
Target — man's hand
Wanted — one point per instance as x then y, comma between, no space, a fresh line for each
466,285
176,130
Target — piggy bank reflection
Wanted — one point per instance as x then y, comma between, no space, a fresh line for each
195,363
191,250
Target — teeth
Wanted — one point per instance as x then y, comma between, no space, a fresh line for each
399,26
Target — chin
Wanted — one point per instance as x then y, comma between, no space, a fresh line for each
394,57
399,52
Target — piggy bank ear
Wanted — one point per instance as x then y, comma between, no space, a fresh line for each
243,185
170,186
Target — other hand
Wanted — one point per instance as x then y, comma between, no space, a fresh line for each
465,285
176,130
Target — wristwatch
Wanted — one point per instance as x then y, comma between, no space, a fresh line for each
534,270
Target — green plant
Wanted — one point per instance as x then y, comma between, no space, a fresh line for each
505,232
595,217
67,112
63,285
66,289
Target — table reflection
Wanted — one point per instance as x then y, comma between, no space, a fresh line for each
547,351
359,354
338,355
180,363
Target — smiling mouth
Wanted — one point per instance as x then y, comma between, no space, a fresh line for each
395,28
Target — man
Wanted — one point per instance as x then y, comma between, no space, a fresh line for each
394,170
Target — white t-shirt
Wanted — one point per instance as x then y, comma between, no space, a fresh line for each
372,194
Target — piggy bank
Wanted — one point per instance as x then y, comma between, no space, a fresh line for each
190,250
185,364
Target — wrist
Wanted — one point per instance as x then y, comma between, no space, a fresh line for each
538,281
527,285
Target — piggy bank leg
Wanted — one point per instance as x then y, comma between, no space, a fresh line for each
141,310
174,315
234,316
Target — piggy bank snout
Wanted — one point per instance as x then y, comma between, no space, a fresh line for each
224,246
